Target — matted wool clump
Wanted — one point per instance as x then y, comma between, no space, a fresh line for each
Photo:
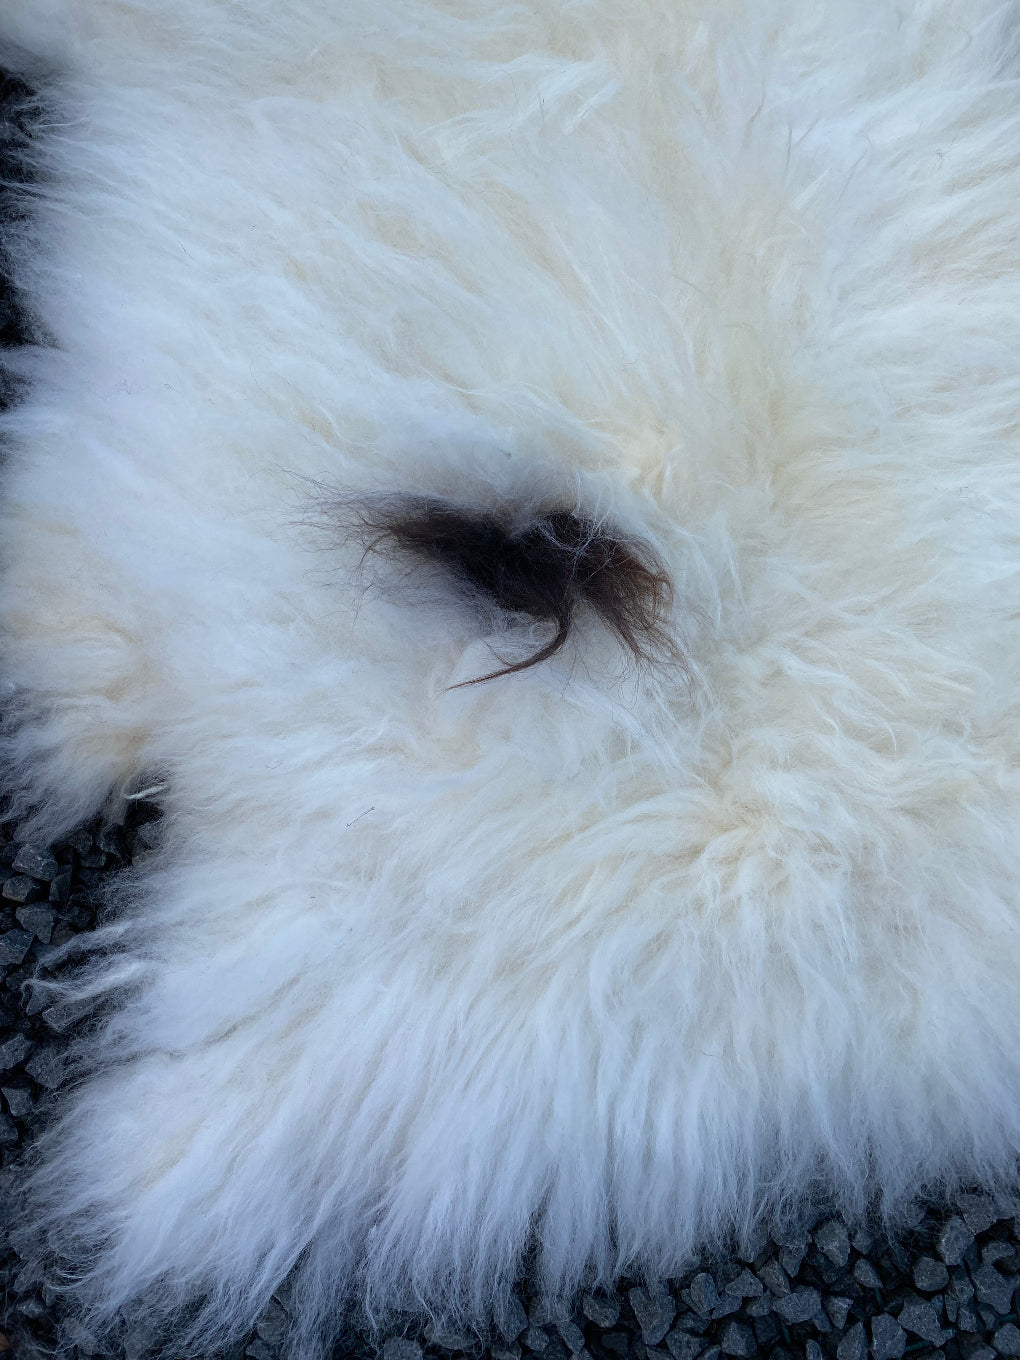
535,487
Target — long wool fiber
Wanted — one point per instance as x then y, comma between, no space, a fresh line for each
597,962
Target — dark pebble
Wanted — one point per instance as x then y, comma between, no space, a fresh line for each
684,1345
761,1306
147,836
997,1251
39,919
799,1306
702,1294
967,1319
953,1241
61,886
14,1051
774,1278
1007,1340
745,1285
853,1346
47,1068
837,1307
14,945
738,1339
571,1335
888,1339
21,889
603,1311
993,1289
921,1317
19,1101
930,1275
62,1017
513,1319
37,862
80,841
979,1212
654,1311
110,842
791,1258
833,1239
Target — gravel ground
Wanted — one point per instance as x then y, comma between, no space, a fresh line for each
947,1289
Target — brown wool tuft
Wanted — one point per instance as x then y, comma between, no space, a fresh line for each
546,566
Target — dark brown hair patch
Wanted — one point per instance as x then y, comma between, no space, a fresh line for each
546,566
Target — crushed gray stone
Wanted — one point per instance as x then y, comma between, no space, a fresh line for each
997,1251
14,1051
888,1339
954,1240
837,1307
762,1306
37,861
738,1339
930,1275
683,1345
967,1319
654,1311
833,1239
571,1335
18,1100
799,1306
20,888
854,1345
47,1068
979,1212
604,1312
513,1319
1007,1340
921,1317
39,919
272,1325
774,1278
62,1017
702,1294
993,1289
14,945
745,1286
791,1258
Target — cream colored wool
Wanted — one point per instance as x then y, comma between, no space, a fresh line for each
607,958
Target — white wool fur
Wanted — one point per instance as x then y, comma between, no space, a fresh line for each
599,960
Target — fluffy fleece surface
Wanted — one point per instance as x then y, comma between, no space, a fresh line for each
603,959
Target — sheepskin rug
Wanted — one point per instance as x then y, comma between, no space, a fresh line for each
387,347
